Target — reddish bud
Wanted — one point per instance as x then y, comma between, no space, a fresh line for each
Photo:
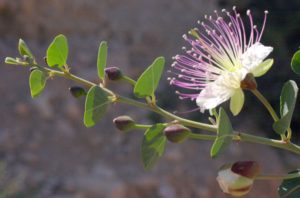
176,133
246,168
124,123
113,73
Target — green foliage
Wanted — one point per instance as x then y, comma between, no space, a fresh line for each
95,105
101,60
155,138
37,82
288,99
148,81
224,137
24,50
290,188
237,102
295,63
57,52
153,145
263,67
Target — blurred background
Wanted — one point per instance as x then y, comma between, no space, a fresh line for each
46,151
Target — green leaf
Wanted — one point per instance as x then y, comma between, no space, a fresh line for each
153,145
57,52
23,49
148,81
37,82
290,188
11,61
101,60
295,63
263,68
237,102
95,105
224,134
288,99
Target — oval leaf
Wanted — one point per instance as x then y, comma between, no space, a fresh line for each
237,102
37,82
23,49
153,145
95,106
263,68
295,63
101,60
288,99
224,134
57,52
290,188
148,81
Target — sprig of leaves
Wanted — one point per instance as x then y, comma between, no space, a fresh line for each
287,105
153,145
224,134
101,59
57,52
290,188
147,83
96,104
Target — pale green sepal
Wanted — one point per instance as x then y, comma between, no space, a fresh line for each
262,68
237,102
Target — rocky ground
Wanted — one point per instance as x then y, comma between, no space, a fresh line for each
45,149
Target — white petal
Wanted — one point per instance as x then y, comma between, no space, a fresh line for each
233,183
214,94
226,178
255,55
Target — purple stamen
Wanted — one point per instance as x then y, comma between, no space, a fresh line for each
216,48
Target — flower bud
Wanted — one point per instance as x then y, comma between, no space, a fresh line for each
113,73
249,82
237,179
77,91
11,61
124,123
176,133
